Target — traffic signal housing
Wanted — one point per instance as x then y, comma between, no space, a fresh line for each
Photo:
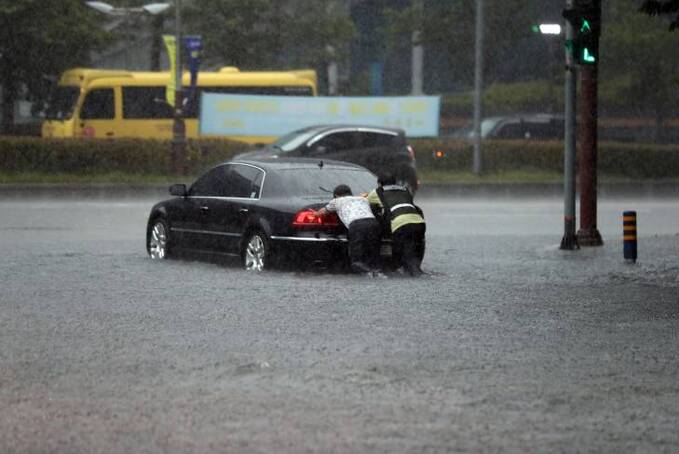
585,18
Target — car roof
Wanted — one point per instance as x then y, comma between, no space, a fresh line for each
533,117
271,163
357,127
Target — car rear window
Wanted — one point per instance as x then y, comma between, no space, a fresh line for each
375,139
318,182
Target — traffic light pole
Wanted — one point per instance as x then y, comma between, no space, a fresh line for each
588,235
569,240
584,24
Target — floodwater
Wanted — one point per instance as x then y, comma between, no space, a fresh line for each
507,344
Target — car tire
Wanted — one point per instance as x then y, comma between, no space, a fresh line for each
158,243
256,254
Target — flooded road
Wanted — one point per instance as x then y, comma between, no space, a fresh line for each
507,344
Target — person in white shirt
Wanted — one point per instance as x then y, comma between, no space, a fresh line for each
363,229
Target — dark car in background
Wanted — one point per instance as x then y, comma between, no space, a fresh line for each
378,149
527,127
260,210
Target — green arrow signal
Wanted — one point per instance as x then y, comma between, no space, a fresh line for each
585,26
586,56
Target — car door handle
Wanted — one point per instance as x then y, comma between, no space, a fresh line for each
243,210
204,208
109,134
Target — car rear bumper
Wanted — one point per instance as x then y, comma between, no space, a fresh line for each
310,251
322,251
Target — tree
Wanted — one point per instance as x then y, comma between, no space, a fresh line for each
634,58
38,40
267,34
663,7
449,27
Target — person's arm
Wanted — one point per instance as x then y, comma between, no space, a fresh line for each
374,199
331,207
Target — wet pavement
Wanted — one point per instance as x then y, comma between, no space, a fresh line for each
507,344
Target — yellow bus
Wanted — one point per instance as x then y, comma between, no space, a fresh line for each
122,104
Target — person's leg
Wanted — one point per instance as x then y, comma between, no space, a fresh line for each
406,236
419,243
356,238
397,249
372,243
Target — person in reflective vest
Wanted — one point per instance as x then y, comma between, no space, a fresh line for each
406,222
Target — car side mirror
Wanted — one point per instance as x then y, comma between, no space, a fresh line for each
178,189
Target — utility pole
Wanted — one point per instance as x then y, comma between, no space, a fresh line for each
333,77
417,76
478,87
585,18
418,64
569,240
589,235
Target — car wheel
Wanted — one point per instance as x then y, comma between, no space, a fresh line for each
158,240
257,252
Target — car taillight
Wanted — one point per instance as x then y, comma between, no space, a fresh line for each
309,218
411,152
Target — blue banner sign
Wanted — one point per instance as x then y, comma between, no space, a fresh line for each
194,47
255,115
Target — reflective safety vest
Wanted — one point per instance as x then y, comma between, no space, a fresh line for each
396,200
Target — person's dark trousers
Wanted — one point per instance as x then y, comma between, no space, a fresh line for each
364,244
408,247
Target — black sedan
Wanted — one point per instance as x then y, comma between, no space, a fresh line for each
376,148
259,210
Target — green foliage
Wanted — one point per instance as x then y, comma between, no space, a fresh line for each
39,39
265,34
450,27
126,158
662,7
532,96
92,157
639,161
614,94
614,159
507,98
457,104
498,155
637,53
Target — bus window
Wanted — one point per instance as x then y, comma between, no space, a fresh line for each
98,104
145,103
192,107
62,103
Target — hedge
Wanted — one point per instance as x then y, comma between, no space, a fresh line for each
93,157
614,158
